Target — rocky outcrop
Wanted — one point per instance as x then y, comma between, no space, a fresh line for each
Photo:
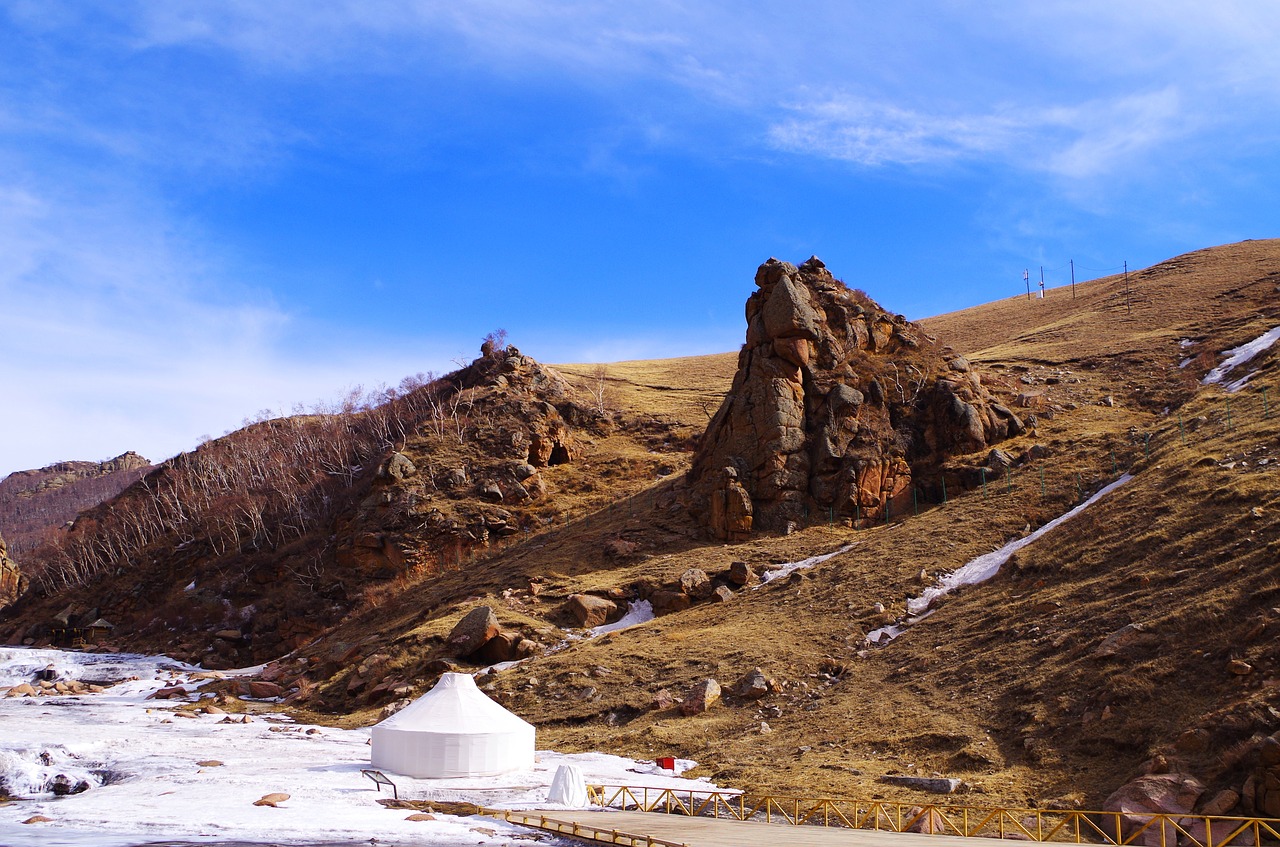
12,582
837,410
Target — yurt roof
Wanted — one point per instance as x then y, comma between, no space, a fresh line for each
455,705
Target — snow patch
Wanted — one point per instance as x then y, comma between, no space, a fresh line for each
1237,356
979,569
791,567
637,613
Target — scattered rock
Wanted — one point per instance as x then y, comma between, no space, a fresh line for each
38,819
421,816
701,697
272,800
1124,640
63,786
696,584
588,610
929,822
664,699
754,685
1239,667
619,548
722,594
506,646
667,602
169,693
209,763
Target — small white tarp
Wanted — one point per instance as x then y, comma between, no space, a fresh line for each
453,730
568,788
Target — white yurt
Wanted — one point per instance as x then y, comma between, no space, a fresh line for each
452,730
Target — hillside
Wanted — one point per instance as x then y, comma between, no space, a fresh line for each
1144,628
34,501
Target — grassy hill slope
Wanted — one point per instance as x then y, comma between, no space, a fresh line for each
1144,626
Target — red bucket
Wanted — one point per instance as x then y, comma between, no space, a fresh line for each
667,763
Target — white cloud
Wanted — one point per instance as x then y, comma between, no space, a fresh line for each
1077,141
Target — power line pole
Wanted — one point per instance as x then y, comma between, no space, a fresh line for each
1073,279
1042,282
1128,304
1026,277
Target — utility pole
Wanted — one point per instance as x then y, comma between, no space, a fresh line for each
1026,277
1128,304
1073,279
1042,282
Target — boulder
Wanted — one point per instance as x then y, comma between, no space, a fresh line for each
932,785
588,610
273,799
169,693
399,467
927,822
696,584
24,689
1266,779
701,697
619,548
263,690
667,602
506,646
742,574
63,785
1165,793
722,594
473,631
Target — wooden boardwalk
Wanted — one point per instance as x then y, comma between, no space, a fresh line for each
637,828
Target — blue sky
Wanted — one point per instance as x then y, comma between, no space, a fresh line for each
208,209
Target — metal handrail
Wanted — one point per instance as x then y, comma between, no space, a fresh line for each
1149,829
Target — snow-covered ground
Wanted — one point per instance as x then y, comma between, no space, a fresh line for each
155,776
1237,356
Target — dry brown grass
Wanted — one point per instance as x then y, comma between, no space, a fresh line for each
1000,686
687,390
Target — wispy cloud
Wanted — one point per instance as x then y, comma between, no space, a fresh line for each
1077,141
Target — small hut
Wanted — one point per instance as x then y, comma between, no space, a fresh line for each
453,730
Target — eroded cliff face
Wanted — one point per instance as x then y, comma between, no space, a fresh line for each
11,581
837,409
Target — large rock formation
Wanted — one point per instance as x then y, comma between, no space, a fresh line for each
11,579
836,408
